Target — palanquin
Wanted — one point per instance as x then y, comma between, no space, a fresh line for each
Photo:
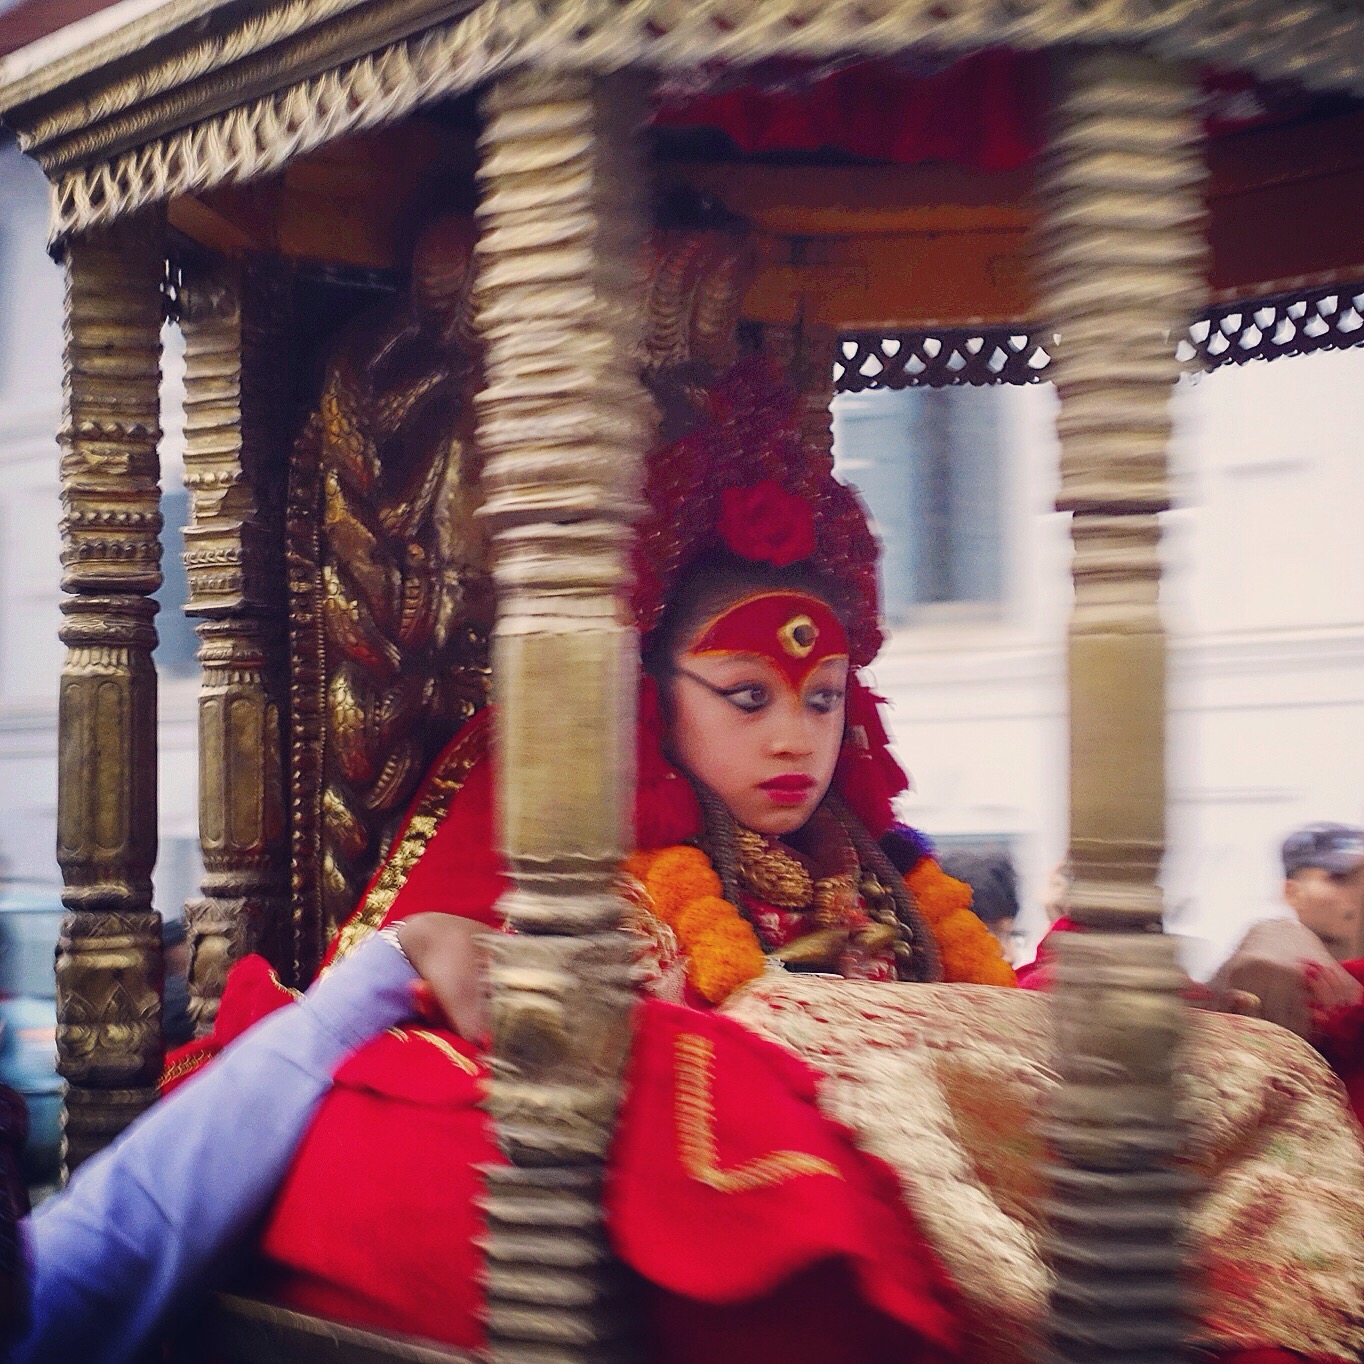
432,260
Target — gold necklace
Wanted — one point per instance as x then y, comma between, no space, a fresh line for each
775,874
772,873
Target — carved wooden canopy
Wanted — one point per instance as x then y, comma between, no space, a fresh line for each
188,96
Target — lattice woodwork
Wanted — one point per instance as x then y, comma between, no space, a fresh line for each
1268,328
939,359
1296,323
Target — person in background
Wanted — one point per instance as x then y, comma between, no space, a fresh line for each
1307,971
176,1025
1055,893
994,886
1323,866
1036,974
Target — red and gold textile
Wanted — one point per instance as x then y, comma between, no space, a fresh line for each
726,1182
948,1083
875,1147
379,1221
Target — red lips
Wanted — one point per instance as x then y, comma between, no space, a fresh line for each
788,781
791,788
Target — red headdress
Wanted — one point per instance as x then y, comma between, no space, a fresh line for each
743,481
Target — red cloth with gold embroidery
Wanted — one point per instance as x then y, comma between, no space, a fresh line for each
727,1183
764,1233
727,1186
363,1232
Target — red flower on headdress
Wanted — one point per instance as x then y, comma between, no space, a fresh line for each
766,522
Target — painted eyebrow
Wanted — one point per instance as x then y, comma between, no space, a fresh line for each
727,656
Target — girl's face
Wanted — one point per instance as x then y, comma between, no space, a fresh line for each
759,720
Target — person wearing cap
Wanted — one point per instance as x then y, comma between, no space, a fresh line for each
1307,971
1323,867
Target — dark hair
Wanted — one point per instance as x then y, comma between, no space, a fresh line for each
720,577
991,877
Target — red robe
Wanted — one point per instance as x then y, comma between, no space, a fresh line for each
769,1230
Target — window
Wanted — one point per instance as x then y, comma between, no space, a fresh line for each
929,463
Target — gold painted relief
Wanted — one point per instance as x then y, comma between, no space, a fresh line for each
390,598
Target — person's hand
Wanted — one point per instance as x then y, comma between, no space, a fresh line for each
1239,1002
447,953
1329,990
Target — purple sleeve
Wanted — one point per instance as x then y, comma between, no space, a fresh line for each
142,1222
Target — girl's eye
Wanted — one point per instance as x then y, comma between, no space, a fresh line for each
750,697
825,701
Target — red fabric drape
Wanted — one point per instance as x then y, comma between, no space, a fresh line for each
984,112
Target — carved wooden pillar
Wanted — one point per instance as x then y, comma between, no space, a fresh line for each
109,953
564,424
1122,262
234,319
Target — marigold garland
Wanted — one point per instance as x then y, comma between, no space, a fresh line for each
970,952
723,952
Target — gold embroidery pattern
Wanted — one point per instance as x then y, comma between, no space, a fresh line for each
288,989
696,1146
947,1085
186,1065
456,1058
442,786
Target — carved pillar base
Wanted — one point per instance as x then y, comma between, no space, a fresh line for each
94,1118
1116,1205
108,1026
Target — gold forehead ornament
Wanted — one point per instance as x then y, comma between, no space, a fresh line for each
798,636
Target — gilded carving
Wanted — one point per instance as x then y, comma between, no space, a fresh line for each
389,597
1121,262
235,318
806,350
109,954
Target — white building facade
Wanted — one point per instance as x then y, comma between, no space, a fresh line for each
1263,600
1264,603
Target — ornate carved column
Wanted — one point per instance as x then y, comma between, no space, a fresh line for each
564,423
109,952
1122,263
234,318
